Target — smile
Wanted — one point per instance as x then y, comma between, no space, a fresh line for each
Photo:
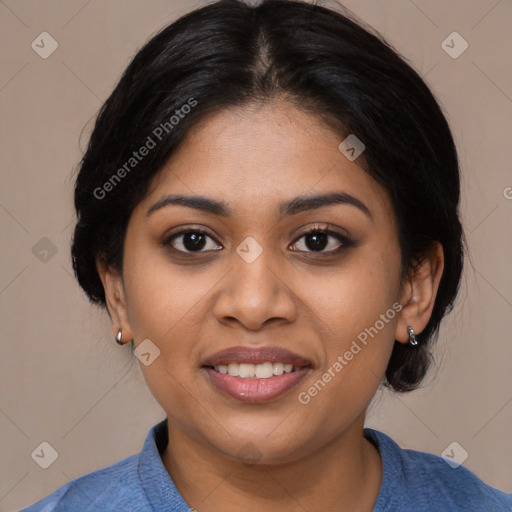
256,371
255,374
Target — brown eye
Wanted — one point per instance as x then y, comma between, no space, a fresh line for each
317,240
192,240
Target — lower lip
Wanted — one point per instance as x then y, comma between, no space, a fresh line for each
256,390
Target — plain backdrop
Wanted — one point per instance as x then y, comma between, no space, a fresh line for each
65,381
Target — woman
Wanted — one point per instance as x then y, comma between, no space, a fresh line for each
268,209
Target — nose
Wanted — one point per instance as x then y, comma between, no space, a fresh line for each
255,294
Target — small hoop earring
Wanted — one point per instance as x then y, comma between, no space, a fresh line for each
412,337
119,336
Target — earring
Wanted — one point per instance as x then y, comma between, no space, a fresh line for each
119,336
412,338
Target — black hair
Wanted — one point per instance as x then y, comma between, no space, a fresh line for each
230,54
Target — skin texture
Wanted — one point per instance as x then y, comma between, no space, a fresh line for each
309,457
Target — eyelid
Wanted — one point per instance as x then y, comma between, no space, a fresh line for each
324,227
188,229
344,240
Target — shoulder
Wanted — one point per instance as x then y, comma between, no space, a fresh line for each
421,481
115,487
138,483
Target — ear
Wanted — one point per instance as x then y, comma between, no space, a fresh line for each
419,293
116,300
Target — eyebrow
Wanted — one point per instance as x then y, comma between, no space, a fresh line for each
292,207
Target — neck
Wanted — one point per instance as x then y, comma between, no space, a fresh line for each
343,475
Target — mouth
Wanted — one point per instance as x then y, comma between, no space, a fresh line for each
265,370
256,374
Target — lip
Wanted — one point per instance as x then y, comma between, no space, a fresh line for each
256,355
256,390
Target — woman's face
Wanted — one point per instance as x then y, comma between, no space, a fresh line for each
255,280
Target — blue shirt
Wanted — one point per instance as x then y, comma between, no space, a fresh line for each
412,481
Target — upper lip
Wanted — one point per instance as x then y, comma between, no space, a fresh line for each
256,355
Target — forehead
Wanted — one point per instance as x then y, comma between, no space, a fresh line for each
261,154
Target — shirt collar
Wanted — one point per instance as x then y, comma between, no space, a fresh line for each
164,497
391,465
156,482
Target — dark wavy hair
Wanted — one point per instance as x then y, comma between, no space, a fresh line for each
230,54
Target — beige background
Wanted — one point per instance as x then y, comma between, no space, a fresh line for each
63,378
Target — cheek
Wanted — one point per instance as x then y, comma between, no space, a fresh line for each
355,316
164,295
166,305
353,297
354,312
357,334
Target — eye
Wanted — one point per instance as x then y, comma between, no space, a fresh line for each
191,240
317,240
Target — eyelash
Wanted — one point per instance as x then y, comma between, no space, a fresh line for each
344,241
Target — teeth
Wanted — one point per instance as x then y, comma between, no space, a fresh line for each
278,368
233,369
246,371
263,371
258,371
